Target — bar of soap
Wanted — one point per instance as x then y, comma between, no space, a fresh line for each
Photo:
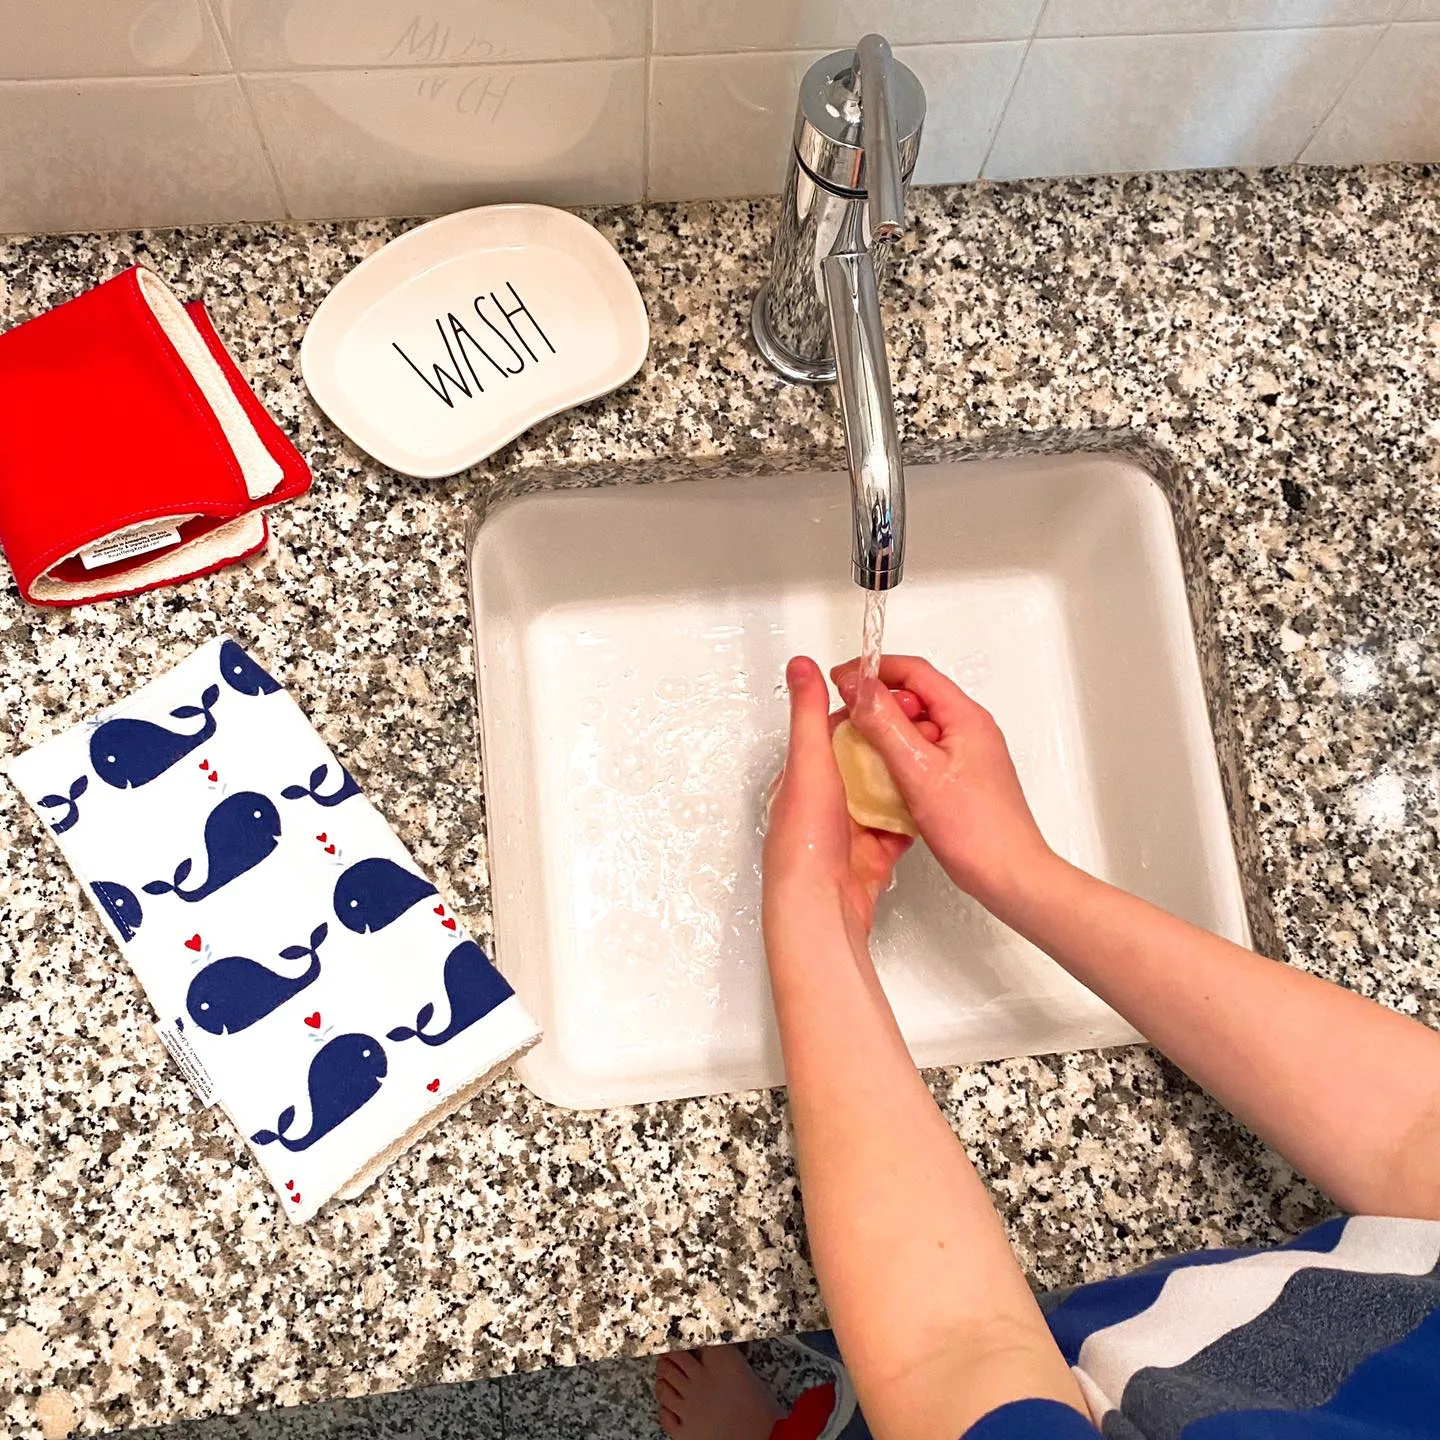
871,795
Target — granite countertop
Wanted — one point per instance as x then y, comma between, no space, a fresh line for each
1278,334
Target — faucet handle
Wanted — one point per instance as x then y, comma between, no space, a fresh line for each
884,183
857,128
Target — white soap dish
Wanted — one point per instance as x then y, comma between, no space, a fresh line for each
462,333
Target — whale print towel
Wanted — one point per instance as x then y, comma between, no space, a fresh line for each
305,974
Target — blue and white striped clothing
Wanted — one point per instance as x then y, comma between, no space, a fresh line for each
1333,1336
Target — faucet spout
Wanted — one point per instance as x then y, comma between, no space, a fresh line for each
867,411
817,318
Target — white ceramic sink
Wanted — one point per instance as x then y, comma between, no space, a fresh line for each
631,645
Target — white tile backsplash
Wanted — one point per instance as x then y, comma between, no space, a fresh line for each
1152,17
1392,110
353,107
719,123
99,154
722,124
60,39
1155,102
966,87
324,34
422,141
697,27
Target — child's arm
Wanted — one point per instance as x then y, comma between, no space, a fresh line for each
1347,1091
934,1318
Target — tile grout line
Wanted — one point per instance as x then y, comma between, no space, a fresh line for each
1010,93
647,91
287,72
743,52
270,164
294,71
1342,92
211,9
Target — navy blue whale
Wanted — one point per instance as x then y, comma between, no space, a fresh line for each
121,905
239,833
232,993
342,792
126,753
473,988
69,802
343,1075
372,894
242,673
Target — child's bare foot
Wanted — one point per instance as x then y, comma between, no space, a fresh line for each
713,1394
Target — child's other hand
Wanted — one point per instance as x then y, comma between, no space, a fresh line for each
955,773
820,867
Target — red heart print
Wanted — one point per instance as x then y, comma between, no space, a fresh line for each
212,776
329,849
448,922
193,943
439,909
322,837
204,764
313,1021
296,1197
434,1085
289,1184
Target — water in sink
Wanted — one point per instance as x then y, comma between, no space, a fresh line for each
631,649
674,727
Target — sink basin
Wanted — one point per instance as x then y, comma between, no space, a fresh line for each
631,643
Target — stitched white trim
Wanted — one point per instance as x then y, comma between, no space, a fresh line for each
226,542
261,470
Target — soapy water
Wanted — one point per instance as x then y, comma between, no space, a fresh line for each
669,775
669,785
674,735
658,729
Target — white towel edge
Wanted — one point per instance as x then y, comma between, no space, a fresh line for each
517,1032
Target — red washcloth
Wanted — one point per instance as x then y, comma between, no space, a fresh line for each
132,452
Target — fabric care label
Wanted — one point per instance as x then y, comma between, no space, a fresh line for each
131,543
188,1063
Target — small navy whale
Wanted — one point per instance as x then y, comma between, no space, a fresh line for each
372,894
72,810
121,905
231,994
473,988
242,673
239,833
343,1075
342,792
127,753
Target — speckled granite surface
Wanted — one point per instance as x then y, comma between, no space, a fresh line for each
1277,334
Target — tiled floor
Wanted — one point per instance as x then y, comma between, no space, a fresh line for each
583,1402
445,1412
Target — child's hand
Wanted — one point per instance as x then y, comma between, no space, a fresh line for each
955,773
820,867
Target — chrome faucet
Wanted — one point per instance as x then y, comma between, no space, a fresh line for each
817,318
